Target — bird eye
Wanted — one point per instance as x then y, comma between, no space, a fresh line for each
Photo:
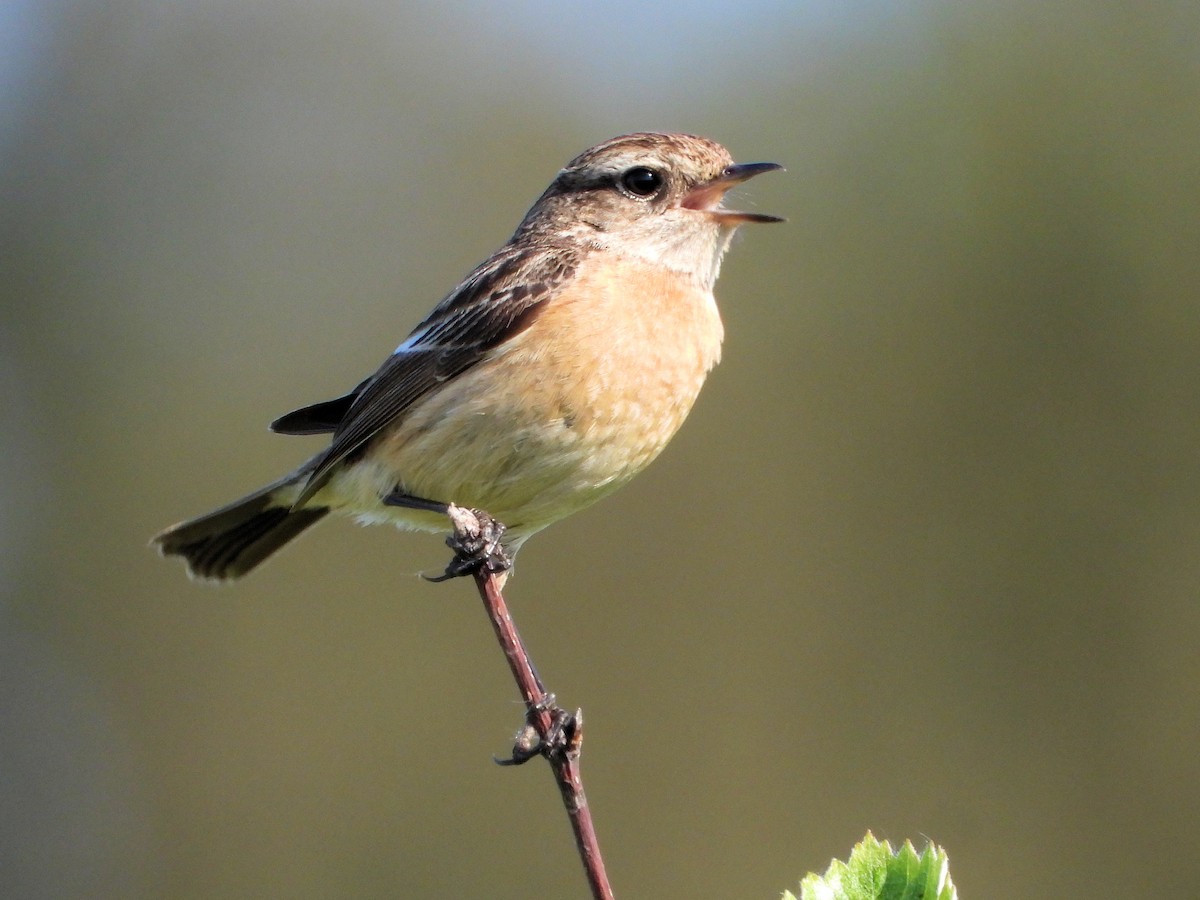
641,181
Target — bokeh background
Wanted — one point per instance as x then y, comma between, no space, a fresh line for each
925,560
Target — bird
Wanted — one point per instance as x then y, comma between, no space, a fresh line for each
556,370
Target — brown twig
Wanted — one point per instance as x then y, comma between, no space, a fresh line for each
559,735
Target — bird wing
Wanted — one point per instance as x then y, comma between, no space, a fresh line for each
496,302
319,418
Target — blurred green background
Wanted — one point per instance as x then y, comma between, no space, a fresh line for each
925,559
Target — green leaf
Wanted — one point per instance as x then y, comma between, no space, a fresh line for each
876,872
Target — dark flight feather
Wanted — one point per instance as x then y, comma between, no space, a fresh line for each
496,302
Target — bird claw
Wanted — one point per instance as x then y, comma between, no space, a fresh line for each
476,544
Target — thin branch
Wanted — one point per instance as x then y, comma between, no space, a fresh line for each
559,735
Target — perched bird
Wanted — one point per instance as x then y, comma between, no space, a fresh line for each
554,373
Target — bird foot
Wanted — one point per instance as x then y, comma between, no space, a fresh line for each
476,544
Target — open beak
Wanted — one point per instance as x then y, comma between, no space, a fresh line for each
707,197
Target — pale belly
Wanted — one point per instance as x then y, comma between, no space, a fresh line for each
569,412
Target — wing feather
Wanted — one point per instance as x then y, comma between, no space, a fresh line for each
497,301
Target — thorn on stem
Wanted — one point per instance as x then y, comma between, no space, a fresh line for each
564,736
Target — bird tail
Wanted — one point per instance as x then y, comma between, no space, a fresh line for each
227,543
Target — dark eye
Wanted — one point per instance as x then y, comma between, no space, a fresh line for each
641,181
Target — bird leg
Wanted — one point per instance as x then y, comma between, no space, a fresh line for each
475,539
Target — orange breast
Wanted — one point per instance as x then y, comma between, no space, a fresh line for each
569,410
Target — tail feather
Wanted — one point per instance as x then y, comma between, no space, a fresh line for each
229,542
